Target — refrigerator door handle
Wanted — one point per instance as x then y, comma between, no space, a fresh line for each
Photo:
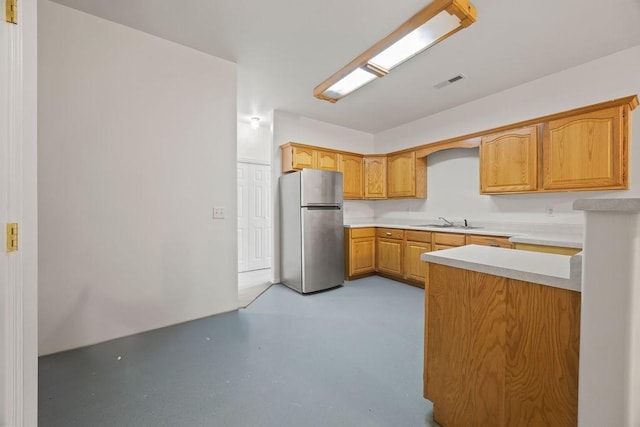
323,207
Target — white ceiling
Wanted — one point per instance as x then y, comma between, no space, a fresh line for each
284,48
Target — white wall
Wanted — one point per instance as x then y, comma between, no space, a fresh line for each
453,176
137,143
254,145
288,127
609,383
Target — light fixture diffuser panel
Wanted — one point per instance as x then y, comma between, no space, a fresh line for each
416,41
349,83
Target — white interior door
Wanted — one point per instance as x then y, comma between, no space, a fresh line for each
254,217
260,217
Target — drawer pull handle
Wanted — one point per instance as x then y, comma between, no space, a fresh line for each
494,244
387,233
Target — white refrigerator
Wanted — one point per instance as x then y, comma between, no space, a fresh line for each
311,230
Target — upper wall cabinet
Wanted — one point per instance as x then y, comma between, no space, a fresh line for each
298,156
375,177
351,168
326,160
509,161
406,175
581,149
587,151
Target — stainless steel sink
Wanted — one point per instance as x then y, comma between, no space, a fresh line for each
455,227
434,225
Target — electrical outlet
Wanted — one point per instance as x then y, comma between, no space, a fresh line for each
219,212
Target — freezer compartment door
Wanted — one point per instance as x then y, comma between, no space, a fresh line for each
318,187
322,248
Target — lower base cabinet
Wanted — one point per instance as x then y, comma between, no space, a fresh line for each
360,252
447,241
500,352
390,252
395,253
417,243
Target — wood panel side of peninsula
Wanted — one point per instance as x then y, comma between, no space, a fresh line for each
499,351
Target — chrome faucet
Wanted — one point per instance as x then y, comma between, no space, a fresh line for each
447,221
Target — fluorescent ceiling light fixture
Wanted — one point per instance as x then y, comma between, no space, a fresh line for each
431,25
349,83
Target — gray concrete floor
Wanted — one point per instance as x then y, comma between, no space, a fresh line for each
351,356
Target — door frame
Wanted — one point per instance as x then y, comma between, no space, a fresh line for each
18,151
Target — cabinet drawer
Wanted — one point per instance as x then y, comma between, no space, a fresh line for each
499,242
418,236
390,233
437,247
449,239
357,233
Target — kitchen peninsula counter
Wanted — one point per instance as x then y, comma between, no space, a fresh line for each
560,271
502,334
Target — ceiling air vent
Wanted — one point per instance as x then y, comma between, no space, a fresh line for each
450,81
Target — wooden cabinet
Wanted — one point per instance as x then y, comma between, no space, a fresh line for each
351,168
495,241
582,149
417,243
406,175
389,251
360,250
547,249
375,177
298,156
586,151
500,352
446,241
509,161
325,160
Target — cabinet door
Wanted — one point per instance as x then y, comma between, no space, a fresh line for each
362,256
325,160
351,167
302,157
389,256
375,177
587,151
401,175
509,161
415,269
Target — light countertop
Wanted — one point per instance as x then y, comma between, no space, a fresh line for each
608,205
522,233
560,271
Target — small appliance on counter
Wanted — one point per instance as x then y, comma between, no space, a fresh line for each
311,230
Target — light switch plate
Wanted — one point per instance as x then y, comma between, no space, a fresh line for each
219,212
